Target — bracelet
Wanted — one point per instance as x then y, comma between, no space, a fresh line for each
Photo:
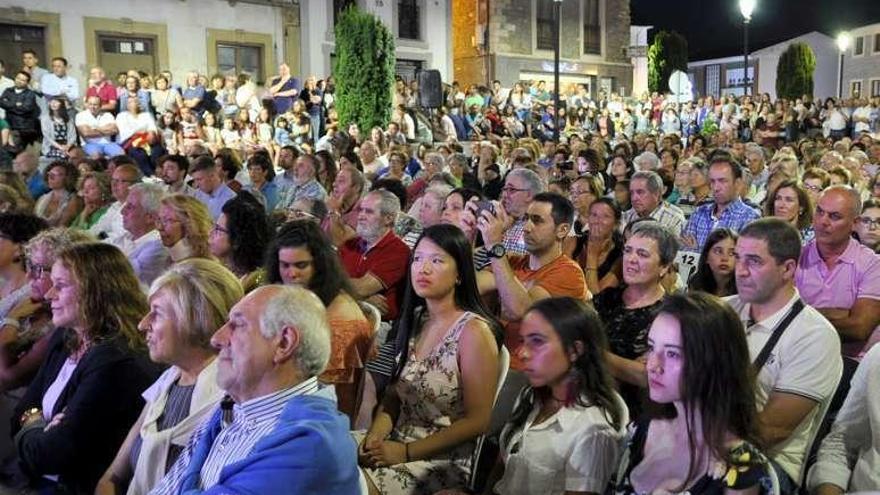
406,449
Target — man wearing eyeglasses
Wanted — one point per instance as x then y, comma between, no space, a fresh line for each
110,226
837,275
519,189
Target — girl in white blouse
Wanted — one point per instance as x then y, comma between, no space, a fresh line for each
566,430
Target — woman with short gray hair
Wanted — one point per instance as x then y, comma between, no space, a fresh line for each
629,310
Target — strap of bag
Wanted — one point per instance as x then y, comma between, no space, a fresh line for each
796,308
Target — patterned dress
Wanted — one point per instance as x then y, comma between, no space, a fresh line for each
431,399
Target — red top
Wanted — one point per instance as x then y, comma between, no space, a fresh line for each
387,261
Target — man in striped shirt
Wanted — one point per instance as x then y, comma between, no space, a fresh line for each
278,430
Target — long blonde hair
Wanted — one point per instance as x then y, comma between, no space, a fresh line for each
196,221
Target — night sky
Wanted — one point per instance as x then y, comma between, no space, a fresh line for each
713,28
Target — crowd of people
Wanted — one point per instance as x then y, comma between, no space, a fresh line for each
217,287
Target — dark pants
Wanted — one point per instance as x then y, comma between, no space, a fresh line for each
147,163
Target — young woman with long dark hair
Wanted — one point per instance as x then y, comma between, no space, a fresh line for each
564,436
440,400
703,437
715,270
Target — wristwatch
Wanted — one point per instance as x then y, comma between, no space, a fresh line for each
27,414
497,251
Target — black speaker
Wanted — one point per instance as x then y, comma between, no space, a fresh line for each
430,89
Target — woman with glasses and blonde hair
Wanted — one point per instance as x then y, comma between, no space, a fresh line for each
87,392
187,305
184,225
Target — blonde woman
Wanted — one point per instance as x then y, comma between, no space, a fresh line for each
184,225
187,305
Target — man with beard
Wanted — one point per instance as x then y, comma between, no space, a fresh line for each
375,259
173,170
541,273
798,372
305,183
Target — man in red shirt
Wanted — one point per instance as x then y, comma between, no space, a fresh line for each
101,87
376,260
543,272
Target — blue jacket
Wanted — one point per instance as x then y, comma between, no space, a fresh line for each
310,451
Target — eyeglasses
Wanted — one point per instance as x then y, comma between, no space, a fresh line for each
811,187
870,223
37,271
301,215
162,222
579,192
122,181
511,190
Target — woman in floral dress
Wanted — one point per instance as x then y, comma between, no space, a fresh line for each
421,438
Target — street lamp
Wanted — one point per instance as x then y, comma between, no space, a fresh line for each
843,40
557,18
746,7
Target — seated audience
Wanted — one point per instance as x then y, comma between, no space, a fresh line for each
566,431
628,310
262,173
60,206
278,431
544,272
184,225
791,202
343,202
715,270
849,457
86,395
703,437
110,226
798,373
94,189
421,438
837,275
138,135
868,226
188,303
599,250
726,209
144,248
302,255
59,131
372,259
239,239
26,164
97,128
646,195
211,189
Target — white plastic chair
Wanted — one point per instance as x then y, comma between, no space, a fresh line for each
503,368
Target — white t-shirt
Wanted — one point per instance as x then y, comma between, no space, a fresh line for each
806,361
576,449
129,124
865,113
85,118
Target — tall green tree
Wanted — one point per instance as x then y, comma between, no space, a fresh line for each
668,53
363,69
794,72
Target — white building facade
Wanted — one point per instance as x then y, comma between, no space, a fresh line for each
213,36
723,76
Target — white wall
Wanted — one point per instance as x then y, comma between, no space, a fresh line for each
824,77
435,49
186,23
638,36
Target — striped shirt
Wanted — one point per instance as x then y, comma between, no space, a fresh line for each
250,422
668,215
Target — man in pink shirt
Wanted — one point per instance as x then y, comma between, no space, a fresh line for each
102,88
837,275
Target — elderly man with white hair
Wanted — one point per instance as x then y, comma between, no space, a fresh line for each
647,161
279,430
